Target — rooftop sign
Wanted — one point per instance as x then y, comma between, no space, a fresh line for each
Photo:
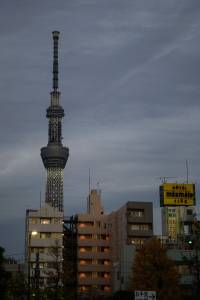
177,194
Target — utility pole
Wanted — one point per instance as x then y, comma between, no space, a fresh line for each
37,277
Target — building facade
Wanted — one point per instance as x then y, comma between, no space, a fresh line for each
93,250
44,246
132,225
106,243
177,221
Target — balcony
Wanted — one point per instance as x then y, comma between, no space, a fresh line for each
93,281
93,255
45,242
46,227
93,268
44,257
93,242
91,230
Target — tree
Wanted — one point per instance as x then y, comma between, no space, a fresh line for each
154,271
55,273
4,277
17,286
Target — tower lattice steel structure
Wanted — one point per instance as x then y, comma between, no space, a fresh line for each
55,155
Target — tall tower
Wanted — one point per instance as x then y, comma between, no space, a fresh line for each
55,155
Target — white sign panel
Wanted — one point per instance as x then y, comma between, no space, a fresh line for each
145,295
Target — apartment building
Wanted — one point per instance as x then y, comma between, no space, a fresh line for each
43,246
93,249
132,225
104,245
177,221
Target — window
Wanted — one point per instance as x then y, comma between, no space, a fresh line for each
33,220
45,235
140,227
56,235
45,221
85,249
86,224
136,241
189,212
136,213
135,227
82,275
38,250
144,227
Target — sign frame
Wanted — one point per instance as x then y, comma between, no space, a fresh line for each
177,194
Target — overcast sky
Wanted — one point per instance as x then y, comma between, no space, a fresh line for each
130,84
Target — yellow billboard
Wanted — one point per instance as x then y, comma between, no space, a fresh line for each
177,194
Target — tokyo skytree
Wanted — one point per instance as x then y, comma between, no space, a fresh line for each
55,155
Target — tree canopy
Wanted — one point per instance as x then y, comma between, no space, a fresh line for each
154,271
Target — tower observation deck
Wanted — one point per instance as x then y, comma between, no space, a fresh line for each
55,155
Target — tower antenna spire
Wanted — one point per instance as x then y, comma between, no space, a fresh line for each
55,59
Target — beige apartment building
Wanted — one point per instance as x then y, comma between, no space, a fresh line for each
43,246
93,249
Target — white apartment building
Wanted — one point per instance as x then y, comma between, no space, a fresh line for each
44,242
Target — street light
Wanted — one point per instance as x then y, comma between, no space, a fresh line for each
31,234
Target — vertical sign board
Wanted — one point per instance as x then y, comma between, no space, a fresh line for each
145,295
177,194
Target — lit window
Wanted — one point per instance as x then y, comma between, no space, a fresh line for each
82,250
107,289
82,275
45,221
81,225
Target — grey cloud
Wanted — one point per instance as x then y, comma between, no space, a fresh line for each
129,78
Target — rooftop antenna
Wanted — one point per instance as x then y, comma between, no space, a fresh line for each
55,60
88,199
187,171
89,182
40,198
